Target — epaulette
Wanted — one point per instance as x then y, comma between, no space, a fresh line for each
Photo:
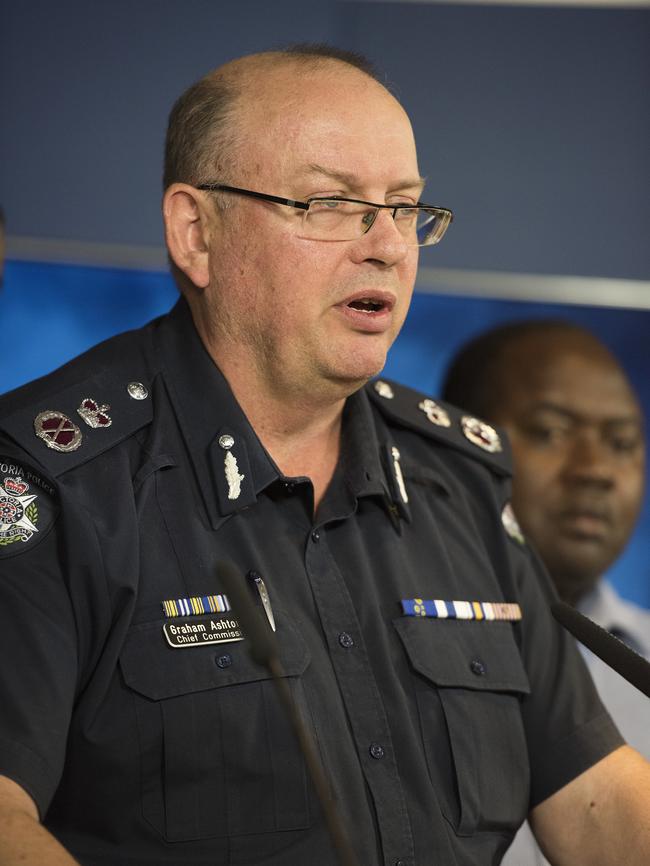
67,418
443,422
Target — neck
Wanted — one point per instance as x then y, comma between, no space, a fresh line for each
303,439
296,416
300,426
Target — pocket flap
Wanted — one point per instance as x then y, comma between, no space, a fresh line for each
464,654
154,669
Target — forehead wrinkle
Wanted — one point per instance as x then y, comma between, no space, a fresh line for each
352,182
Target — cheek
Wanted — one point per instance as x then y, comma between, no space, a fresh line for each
631,487
535,491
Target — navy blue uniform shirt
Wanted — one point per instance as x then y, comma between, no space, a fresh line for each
147,735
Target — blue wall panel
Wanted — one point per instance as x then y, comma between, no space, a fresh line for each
532,123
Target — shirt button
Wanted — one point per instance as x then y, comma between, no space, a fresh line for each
376,751
224,661
315,536
289,486
400,863
477,667
346,640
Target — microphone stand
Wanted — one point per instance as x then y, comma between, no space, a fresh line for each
263,648
616,654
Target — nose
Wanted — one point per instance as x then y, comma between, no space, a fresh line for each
382,242
590,461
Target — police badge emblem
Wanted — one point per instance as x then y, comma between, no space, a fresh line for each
18,511
28,507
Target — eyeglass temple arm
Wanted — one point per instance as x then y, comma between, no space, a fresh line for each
213,187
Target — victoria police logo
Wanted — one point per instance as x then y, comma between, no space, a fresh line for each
18,511
28,506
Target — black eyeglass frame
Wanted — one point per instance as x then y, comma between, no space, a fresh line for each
434,210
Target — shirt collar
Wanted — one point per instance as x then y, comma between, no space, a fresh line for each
369,459
229,460
630,623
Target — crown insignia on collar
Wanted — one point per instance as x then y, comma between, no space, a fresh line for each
93,414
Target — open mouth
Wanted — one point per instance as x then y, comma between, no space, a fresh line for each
370,313
367,305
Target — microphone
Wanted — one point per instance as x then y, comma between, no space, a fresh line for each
264,649
630,665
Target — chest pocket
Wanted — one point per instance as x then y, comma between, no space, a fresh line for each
218,755
469,683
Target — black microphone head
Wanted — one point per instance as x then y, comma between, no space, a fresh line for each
630,665
262,644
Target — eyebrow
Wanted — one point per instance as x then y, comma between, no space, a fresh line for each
352,182
547,406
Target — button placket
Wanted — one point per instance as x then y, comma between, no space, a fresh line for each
358,690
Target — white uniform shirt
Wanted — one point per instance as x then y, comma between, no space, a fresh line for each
629,707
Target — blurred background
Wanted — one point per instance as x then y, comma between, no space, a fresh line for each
532,122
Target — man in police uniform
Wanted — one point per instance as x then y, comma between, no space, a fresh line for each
413,628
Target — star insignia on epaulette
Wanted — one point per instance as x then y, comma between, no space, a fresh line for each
481,434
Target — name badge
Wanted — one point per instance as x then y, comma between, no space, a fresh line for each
182,633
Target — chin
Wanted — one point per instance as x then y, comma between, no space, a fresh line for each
361,365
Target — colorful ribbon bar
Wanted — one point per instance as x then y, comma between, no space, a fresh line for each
486,610
197,605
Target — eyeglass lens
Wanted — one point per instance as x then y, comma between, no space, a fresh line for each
333,219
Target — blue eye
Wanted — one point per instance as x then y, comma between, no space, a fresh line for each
316,205
405,213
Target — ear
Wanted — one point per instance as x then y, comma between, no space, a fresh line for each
187,231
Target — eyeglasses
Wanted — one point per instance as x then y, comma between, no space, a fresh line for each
347,219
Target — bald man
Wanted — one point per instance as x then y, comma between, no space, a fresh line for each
363,519
578,443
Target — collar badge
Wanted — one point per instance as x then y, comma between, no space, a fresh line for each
57,431
93,414
436,414
481,434
399,477
231,469
510,523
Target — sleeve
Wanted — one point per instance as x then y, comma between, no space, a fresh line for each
38,630
567,727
